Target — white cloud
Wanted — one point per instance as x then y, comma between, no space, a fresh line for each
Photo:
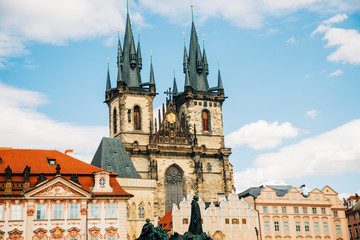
336,73
262,135
22,126
10,46
331,153
312,114
346,195
347,41
291,40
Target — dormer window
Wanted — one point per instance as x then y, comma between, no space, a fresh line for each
51,162
102,181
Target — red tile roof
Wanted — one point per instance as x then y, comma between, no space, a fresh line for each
166,221
37,160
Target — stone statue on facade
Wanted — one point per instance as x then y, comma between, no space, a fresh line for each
41,179
58,168
8,173
26,173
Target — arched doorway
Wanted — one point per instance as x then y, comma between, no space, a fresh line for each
173,186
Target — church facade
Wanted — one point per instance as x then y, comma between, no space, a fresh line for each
183,150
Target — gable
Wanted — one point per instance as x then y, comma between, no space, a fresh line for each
58,187
328,190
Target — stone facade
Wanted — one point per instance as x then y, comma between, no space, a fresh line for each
287,212
232,219
183,149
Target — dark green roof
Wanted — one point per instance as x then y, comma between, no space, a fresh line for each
111,155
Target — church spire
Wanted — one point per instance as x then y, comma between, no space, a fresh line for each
120,61
152,78
206,65
130,71
175,90
185,57
198,78
108,83
187,77
220,84
138,52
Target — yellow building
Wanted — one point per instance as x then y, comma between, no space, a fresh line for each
287,212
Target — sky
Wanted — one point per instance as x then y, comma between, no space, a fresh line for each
290,70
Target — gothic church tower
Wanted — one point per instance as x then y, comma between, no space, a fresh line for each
183,150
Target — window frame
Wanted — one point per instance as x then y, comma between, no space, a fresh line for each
137,117
267,226
316,227
74,210
296,209
297,226
307,226
206,127
284,210
40,213
111,211
94,211
58,210
277,226
314,210
286,226
326,226
265,209
18,211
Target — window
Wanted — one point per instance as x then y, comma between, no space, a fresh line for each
16,212
314,210
307,226
268,195
51,161
359,215
243,221
1,212
235,221
95,238
185,221
297,226
114,121
348,217
277,226
305,210
57,211
74,211
335,213
205,118
111,211
173,186
326,227
137,118
356,232
275,209
286,226
338,229
265,209
208,167
110,238
141,211
267,226
350,232
296,210
40,211
102,181
227,221
323,210
316,227
283,210
94,211
354,216
127,212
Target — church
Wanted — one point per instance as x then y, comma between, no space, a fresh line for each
183,149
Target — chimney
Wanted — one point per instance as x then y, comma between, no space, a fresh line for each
67,151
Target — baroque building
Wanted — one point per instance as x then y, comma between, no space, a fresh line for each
45,194
183,150
287,212
352,211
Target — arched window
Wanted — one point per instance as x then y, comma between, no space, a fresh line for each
173,186
206,120
127,212
141,211
137,118
114,121
208,167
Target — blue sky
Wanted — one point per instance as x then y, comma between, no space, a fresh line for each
290,70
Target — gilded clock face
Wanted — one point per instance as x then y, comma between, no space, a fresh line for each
171,117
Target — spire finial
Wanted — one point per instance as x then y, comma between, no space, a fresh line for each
127,6
174,70
218,65
138,37
192,12
151,56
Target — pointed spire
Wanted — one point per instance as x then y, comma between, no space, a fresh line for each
192,12
152,78
220,85
139,59
187,78
175,90
108,83
206,65
185,57
119,54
